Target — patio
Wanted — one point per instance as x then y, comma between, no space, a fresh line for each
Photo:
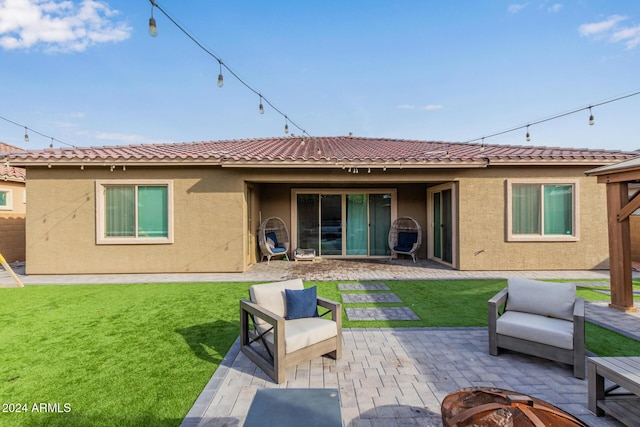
396,377
399,377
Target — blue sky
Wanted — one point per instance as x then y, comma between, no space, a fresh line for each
88,73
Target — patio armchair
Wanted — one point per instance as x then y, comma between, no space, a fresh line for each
280,327
541,319
405,237
273,239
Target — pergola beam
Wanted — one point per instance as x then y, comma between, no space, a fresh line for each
619,247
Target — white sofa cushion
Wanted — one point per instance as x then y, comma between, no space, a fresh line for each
301,333
543,298
272,296
536,328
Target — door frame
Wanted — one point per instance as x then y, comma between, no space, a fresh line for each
453,186
343,192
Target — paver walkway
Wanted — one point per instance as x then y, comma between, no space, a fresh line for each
396,377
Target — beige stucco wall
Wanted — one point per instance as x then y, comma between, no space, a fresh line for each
216,232
12,222
482,211
208,215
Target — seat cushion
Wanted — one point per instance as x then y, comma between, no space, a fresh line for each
402,248
536,328
301,333
544,298
271,296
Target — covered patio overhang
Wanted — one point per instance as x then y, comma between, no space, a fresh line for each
620,206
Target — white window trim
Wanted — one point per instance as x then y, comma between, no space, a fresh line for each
101,239
541,237
9,205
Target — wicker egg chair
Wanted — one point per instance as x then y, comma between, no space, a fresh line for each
405,237
273,238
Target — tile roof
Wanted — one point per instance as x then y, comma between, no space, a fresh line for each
299,151
10,173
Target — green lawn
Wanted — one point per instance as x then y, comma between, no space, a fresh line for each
131,355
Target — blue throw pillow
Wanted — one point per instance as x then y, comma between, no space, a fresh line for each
301,303
272,235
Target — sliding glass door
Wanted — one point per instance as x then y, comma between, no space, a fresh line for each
441,216
343,223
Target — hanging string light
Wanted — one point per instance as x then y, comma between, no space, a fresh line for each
220,78
557,116
153,30
26,135
528,135
286,124
155,4
261,107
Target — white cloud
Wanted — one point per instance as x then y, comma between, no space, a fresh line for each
596,28
554,8
515,7
428,107
631,36
610,29
77,115
127,138
59,26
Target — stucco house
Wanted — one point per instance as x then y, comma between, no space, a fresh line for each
196,207
12,208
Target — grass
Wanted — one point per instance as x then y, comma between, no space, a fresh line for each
131,355
126,355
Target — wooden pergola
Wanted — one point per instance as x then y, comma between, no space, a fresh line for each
619,208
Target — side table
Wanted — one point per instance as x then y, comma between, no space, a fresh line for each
623,372
294,407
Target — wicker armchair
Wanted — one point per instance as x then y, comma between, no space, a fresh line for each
405,237
273,238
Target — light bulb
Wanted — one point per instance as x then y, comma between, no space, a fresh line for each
261,108
319,152
220,80
153,30
286,128
528,136
592,120
26,135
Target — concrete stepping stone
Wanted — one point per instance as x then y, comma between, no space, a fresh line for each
387,313
367,298
362,287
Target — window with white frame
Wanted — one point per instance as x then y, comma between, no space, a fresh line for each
546,210
6,200
134,212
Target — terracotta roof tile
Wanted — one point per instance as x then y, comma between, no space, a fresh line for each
10,173
330,150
